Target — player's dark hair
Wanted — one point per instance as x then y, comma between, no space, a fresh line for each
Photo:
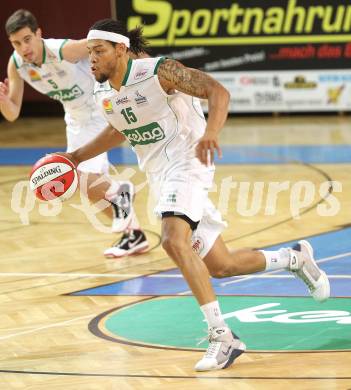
138,43
20,19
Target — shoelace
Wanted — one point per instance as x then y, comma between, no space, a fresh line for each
307,281
212,349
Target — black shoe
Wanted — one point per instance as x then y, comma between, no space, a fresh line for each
133,241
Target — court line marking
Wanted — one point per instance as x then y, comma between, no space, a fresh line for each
265,276
153,376
57,324
240,277
67,274
245,278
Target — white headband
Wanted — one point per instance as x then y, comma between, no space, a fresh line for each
108,36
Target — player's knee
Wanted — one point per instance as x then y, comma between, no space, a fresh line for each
175,247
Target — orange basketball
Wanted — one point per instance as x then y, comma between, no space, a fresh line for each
54,177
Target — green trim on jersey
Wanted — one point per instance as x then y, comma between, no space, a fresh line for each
159,62
129,66
14,60
60,49
44,53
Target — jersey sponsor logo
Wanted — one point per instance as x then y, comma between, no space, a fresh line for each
140,99
123,100
65,95
34,75
60,72
140,74
144,135
46,75
107,105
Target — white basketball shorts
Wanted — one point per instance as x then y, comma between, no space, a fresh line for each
183,188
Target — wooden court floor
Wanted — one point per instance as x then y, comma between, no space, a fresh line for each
46,254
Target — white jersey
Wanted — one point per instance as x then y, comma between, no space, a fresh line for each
162,129
70,83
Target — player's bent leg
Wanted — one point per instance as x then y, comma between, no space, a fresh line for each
222,263
176,233
224,347
133,241
94,186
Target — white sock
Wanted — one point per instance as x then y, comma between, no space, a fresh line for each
213,315
277,259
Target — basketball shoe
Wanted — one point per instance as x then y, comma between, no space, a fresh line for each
304,267
132,241
121,201
224,347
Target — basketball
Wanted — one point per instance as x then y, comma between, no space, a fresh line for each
53,177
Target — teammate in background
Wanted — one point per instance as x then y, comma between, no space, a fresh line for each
175,147
59,68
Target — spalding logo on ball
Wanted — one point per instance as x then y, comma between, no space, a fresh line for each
54,177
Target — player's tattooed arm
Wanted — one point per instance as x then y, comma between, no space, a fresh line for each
174,75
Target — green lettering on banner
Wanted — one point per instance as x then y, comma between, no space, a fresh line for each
144,135
263,323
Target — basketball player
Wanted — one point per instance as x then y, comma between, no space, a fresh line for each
59,68
175,147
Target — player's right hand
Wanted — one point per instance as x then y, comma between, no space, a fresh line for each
69,156
4,90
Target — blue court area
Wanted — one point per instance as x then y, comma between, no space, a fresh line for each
332,251
238,154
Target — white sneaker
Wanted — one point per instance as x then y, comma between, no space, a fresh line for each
133,241
223,349
121,200
303,266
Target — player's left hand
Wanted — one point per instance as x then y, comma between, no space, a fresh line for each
205,149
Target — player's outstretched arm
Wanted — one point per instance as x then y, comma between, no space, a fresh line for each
175,76
108,139
74,50
11,93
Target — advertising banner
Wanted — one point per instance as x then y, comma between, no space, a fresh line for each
256,38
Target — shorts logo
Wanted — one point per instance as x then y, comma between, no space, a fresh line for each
145,135
171,198
34,75
107,105
197,244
